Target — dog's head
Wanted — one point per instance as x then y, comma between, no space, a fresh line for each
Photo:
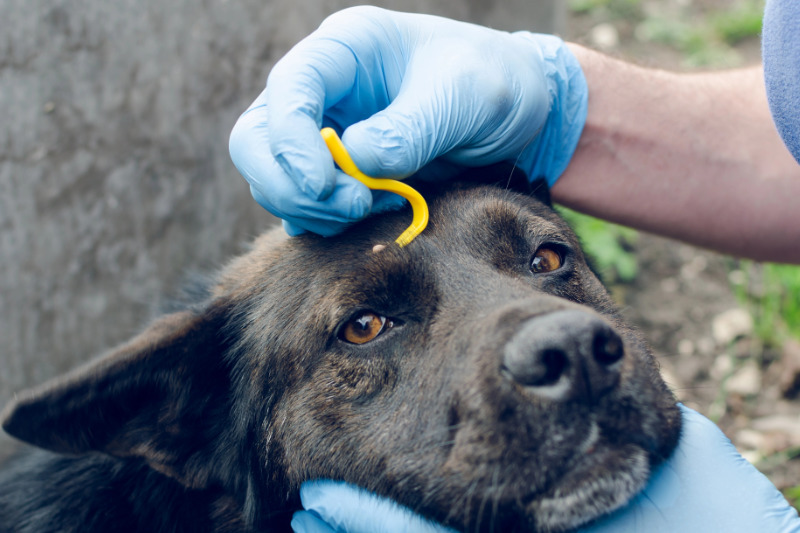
481,375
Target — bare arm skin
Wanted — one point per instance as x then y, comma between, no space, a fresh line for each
695,157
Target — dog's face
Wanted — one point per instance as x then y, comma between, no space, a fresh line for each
480,375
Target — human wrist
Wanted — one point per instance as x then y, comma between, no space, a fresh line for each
550,153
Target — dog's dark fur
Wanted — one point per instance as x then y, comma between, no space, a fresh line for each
212,418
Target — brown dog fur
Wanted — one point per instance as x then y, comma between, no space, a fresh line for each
212,418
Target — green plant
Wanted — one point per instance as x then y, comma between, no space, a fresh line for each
615,9
741,22
792,495
698,42
704,39
607,245
772,294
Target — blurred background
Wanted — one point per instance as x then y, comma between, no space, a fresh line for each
115,182
726,331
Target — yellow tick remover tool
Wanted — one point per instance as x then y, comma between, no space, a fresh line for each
418,204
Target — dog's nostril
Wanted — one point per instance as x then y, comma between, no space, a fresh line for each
554,363
535,368
607,347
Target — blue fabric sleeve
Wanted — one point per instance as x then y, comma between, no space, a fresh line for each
781,55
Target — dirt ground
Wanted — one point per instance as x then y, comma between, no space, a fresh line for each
682,297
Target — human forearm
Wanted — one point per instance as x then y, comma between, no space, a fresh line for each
690,156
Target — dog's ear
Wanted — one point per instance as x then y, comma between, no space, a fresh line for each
163,396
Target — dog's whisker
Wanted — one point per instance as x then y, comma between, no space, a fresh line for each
497,491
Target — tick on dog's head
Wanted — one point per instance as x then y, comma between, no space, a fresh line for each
481,375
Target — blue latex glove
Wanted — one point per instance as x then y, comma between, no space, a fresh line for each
705,487
405,89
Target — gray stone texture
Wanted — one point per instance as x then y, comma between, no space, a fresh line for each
115,179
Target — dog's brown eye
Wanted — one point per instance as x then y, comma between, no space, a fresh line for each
364,327
545,260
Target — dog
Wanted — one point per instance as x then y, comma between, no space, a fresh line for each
481,376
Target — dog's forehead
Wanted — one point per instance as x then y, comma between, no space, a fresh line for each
463,221
495,212
460,221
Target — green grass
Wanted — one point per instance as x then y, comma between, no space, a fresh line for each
612,8
792,495
704,38
741,22
699,42
607,245
772,294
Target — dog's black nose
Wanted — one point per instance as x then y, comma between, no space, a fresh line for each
565,355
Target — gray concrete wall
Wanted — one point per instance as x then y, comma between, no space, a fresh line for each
114,171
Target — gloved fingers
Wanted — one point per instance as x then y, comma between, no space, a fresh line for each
383,201
339,74
738,482
305,522
295,100
251,152
705,486
513,106
292,141
350,201
291,229
476,96
431,115
272,188
352,509
475,102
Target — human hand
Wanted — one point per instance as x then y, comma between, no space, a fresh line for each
338,507
705,486
405,89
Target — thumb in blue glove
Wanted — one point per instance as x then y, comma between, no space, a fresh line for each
341,507
705,486
405,89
